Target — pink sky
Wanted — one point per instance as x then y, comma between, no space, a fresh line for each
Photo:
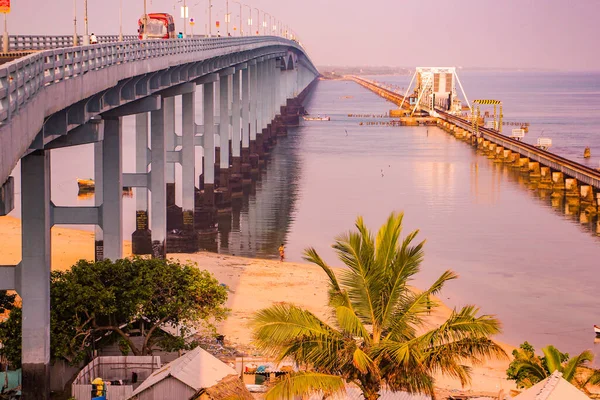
553,34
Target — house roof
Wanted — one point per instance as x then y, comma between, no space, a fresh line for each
198,369
552,388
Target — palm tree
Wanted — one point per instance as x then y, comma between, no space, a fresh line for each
372,338
575,370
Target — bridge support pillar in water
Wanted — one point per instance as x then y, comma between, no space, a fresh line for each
558,181
235,179
222,193
35,274
205,211
545,178
246,127
534,170
572,188
254,117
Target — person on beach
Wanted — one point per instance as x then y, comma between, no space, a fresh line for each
281,253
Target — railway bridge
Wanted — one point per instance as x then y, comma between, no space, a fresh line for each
53,95
577,182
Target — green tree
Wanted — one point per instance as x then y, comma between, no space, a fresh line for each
10,337
7,301
373,337
95,298
527,369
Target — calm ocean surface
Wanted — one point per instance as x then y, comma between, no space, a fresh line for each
518,255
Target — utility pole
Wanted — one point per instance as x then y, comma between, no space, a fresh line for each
257,20
75,37
86,34
241,28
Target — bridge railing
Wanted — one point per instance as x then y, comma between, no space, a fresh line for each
41,42
21,79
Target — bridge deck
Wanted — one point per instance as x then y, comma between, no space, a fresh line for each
568,167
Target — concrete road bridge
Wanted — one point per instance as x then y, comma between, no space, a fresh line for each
53,95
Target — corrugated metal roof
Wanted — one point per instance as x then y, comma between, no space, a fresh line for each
198,369
353,393
552,388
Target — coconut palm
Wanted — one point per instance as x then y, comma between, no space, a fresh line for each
575,370
376,335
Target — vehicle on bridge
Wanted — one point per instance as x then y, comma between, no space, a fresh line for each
158,26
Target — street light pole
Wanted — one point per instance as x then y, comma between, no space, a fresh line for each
120,20
185,18
249,18
86,35
145,22
241,28
227,16
257,20
209,18
75,38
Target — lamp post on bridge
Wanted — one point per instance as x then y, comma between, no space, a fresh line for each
86,35
120,21
241,28
145,22
249,18
265,22
257,20
75,37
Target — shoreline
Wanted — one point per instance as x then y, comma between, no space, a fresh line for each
254,284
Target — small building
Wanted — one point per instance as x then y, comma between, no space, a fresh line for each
124,373
552,388
195,375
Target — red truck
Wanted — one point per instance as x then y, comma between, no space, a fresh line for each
159,26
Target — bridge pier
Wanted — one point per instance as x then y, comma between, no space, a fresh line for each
141,239
188,162
112,188
545,178
35,274
205,211
235,180
246,126
222,193
174,212
558,181
158,181
534,170
98,199
254,117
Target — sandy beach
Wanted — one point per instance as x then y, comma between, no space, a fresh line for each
254,284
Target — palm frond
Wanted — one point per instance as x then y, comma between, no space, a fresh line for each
305,383
362,361
553,358
575,363
350,323
387,240
283,323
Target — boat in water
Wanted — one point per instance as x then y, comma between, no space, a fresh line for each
318,118
597,330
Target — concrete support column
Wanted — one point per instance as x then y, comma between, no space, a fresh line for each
98,199
253,102
141,240
558,181
224,130
112,188
246,127
188,111
209,142
235,182
158,218
35,274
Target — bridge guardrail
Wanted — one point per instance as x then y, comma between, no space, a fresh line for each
21,79
41,42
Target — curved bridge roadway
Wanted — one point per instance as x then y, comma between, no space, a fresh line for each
75,95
